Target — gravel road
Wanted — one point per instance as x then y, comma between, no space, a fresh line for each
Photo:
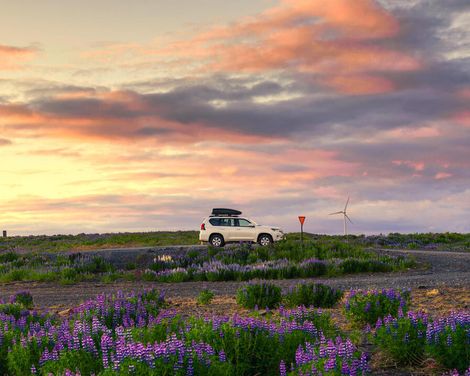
444,269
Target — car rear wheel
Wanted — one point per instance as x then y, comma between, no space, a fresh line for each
265,240
216,240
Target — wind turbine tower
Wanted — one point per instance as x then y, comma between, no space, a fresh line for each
345,216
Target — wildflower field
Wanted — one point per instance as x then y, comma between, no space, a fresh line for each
140,333
269,328
283,260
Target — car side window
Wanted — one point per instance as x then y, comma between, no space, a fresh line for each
226,222
244,223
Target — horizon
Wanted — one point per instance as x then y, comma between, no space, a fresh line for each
197,231
119,117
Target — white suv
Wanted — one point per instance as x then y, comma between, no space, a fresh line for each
226,225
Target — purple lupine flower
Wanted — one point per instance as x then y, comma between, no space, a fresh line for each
282,368
222,356
330,364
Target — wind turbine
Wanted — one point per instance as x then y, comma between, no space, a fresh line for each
345,215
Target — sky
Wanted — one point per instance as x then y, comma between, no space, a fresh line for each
140,116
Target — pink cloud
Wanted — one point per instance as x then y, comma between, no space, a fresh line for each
12,57
442,175
414,133
339,43
333,40
417,166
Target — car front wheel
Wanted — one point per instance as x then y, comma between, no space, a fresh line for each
216,240
265,240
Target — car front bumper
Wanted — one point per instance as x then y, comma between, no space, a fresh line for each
278,236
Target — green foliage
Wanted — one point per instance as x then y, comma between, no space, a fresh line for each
320,255
58,243
321,320
14,309
312,294
366,307
451,347
251,349
8,257
23,298
205,297
404,341
261,295
411,339
77,360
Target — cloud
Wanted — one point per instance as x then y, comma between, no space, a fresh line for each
307,102
346,46
12,57
5,142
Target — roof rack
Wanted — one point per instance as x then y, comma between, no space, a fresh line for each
216,212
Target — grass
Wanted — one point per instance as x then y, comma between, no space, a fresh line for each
80,242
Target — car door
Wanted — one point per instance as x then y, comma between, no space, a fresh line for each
244,230
226,228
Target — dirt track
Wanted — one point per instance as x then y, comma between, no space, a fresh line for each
446,269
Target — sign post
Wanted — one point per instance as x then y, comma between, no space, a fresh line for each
302,220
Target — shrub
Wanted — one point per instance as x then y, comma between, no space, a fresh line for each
15,310
205,297
259,295
321,320
312,268
311,294
339,357
8,257
68,276
403,338
448,340
361,266
23,298
368,306
410,339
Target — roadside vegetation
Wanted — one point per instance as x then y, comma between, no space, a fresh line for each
141,334
283,260
447,241
83,242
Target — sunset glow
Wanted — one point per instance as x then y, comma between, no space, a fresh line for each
143,116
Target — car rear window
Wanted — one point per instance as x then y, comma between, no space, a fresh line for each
221,221
214,221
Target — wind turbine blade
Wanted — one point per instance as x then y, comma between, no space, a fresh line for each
348,217
340,212
345,206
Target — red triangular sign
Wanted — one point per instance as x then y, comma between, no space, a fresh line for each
301,219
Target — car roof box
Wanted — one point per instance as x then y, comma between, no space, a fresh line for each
224,211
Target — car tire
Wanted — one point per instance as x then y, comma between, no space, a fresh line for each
216,240
265,240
